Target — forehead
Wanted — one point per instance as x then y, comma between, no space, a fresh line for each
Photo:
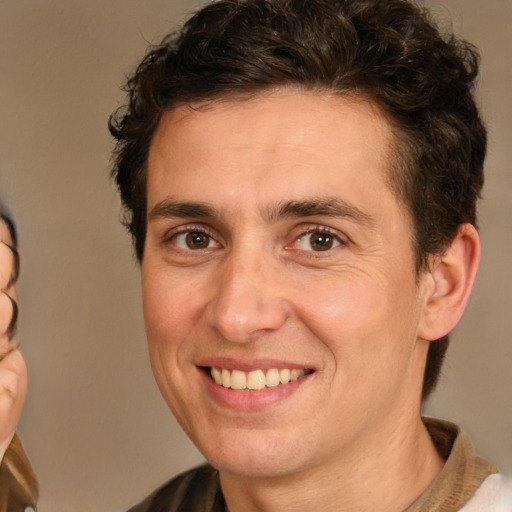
289,135
287,112
245,160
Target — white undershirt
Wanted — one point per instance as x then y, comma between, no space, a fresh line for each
494,495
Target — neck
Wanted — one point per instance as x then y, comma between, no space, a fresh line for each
392,473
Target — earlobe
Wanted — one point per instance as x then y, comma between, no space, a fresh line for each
451,276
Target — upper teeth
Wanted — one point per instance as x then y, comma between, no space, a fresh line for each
257,379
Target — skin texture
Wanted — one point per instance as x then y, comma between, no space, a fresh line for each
258,294
13,371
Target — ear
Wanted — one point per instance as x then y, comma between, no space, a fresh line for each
450,281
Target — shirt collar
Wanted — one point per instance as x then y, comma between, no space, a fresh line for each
462,474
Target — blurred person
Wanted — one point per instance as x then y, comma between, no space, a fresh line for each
300,178
18,484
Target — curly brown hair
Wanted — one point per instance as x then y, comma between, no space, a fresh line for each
389,52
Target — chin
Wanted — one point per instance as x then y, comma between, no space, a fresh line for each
253,468
255,455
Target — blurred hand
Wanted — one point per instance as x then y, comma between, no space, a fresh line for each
13,371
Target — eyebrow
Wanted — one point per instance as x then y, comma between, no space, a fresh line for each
324,207
182,209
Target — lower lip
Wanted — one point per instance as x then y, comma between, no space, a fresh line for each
248,400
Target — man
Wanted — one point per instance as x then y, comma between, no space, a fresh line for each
300,179
18,485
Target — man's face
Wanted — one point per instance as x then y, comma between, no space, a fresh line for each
275,250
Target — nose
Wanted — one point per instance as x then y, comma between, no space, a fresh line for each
248,300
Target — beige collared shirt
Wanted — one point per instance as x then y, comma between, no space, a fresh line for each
462,474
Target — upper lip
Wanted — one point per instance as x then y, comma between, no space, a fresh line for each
250,365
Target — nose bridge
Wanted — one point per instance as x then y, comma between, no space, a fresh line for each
247,301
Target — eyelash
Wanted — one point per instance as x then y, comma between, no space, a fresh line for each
321,230
184,230
188,229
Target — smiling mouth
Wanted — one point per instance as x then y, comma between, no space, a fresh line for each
257,379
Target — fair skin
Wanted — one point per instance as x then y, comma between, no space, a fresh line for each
274,243
13,371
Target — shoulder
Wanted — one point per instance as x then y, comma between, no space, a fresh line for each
494,495
196,490
18,484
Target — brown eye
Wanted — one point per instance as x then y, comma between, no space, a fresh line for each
197,240
317,241
194,241
321,241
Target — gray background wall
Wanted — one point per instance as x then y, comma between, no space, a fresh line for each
96,429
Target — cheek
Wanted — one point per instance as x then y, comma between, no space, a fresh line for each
361,320
165,323
338,308
171,306
169,315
